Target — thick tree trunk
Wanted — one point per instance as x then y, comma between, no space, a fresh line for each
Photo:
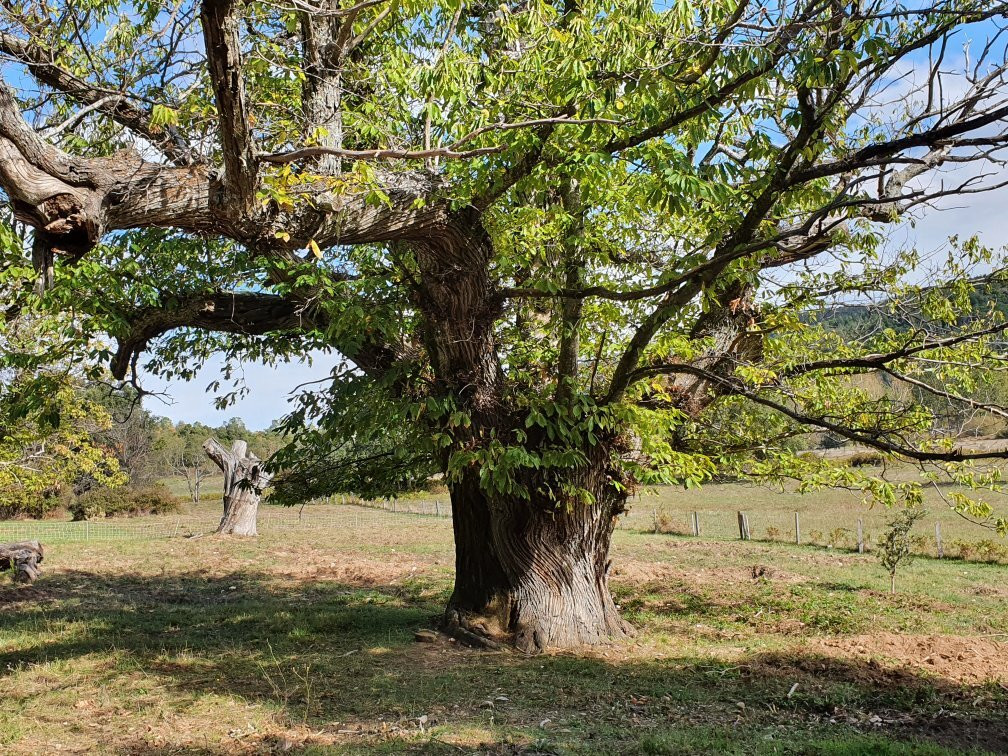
244,481
532,577
241,507
529,573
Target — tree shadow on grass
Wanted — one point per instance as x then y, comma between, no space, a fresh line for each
339,664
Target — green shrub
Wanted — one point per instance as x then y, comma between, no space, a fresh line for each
990,551
840,538
896,546
124,502
965,549
19,502
921,544
436,486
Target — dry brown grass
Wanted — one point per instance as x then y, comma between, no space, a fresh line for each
302,640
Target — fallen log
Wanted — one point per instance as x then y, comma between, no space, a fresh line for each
23,558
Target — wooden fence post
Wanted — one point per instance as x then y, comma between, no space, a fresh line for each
797,530
938,541
741,526
860,536
696,524
745,521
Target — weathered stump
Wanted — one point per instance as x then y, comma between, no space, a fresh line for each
23,558
244,482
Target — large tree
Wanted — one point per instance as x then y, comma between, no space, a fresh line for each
561,248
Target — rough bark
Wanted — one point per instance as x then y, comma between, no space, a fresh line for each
532,573
23,558
220,21
532,576
121,107
244,482
234,312
72,201
457,297
324,38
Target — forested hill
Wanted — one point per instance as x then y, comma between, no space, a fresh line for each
857,320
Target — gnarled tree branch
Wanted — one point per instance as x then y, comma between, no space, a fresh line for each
247,313
116,105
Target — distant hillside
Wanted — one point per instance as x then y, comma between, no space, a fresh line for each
859,320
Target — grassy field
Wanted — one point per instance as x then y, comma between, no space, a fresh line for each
827,518
302,641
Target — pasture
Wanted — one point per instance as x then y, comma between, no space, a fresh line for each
302,641
827,518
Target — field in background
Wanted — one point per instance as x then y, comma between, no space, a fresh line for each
827,518
301,640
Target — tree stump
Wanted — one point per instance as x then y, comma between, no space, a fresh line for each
23,558
244,482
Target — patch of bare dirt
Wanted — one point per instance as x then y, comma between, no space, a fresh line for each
350,568
13,596
974,660
988,590
637,573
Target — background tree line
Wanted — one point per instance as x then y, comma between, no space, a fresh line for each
93,449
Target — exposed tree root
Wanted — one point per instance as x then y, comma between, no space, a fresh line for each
474,635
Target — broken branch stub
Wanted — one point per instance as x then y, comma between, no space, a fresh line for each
244,481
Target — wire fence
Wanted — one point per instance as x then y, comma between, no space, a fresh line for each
841,530
940,534
48,531
205,519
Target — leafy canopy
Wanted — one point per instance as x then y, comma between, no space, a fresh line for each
662,205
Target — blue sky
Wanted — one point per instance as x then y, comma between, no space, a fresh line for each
270,389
